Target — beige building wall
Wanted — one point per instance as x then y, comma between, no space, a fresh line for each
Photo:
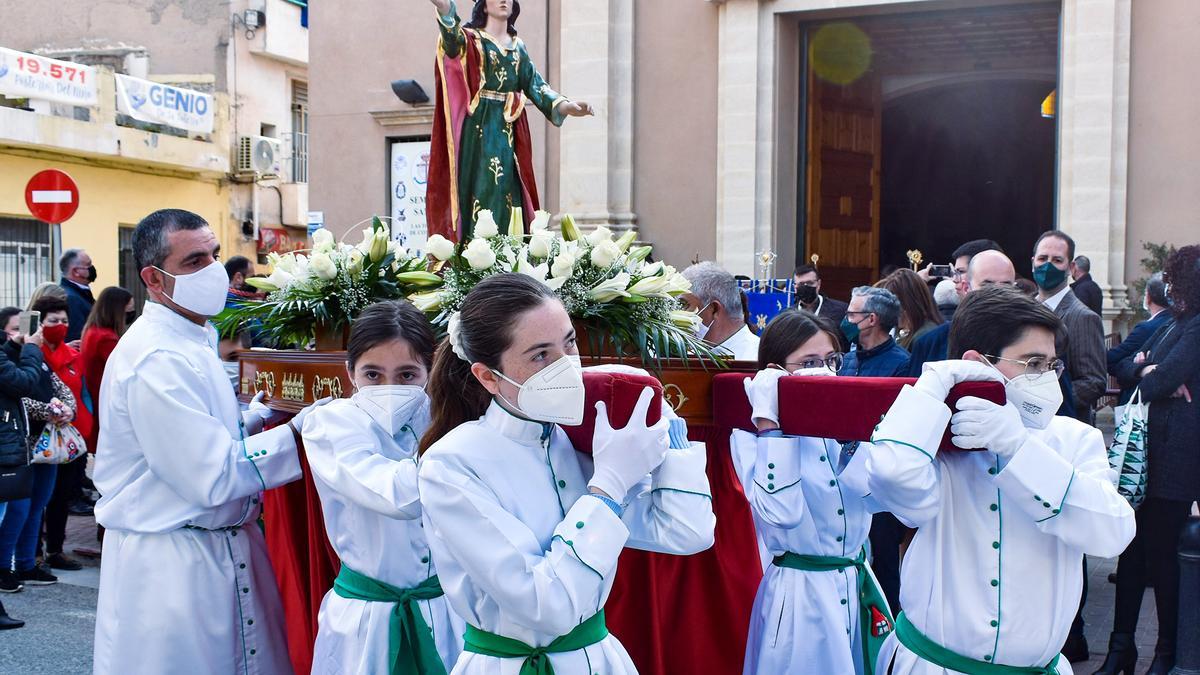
1164,129
675,128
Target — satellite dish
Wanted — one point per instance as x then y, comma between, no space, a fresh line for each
264,156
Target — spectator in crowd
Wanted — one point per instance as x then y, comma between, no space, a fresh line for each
1084,287
918,313
68,370
22,374
239,268
1081,342
869,320
932,345
1168,376
78,273
945,295
1154,302
105,326
22,524
716,297
809,297
872,314
47,288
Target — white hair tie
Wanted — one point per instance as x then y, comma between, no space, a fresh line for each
454,332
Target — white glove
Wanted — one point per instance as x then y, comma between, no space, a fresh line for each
622,369
297,422
979,423
623,457
939,377
256,415
763,392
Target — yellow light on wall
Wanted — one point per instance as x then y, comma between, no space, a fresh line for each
1050,105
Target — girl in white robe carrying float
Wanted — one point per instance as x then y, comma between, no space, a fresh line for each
526,531
386,612
819,608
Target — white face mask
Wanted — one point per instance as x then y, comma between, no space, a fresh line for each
1036,398
553,394
232,371
702,328
202,292
391,406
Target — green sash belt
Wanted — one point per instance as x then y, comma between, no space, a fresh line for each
930,651
537,659
874,617
411,649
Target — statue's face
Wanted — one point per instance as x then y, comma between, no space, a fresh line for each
500,9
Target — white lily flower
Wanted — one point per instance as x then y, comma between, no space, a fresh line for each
439,247
429,301
479,255
322,266
564,265
611,289
485,225
652,269
651,287
599,235
541,221
685,319
605,253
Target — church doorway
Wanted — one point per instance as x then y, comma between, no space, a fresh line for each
925,130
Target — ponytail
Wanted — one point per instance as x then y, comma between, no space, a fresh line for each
455,395
489,313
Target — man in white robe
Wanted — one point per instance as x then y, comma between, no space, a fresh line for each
993,575
185,584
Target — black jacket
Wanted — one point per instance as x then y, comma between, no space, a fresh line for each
1137,341
1089,293
23,374
79,306
1174,426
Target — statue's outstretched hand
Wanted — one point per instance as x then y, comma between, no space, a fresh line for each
577,109
443,6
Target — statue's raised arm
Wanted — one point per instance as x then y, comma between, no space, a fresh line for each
481,157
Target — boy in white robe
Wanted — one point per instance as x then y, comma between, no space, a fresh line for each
993,576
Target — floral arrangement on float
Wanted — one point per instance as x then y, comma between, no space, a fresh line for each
315,297
621,304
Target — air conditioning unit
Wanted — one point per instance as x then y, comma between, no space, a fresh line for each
259,155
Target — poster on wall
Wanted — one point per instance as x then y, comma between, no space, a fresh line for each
24,75
410,173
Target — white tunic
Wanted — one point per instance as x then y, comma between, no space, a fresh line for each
170,456
741,346
367,481
804,621
523,553
995,570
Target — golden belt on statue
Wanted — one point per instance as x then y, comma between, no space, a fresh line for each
493,95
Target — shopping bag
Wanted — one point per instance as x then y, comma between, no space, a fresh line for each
1127,454
59,444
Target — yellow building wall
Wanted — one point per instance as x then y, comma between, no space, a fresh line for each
110,197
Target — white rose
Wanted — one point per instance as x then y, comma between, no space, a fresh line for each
479,255
605,253
322,265
439,247
485,225
564,265
323,240
599,235
541,221
540,243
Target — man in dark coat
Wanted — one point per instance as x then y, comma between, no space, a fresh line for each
1155,303
1086,288
78,273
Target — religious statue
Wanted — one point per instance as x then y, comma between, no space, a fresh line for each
481,151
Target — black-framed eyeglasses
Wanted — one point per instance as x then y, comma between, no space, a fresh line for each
1036,366
832,362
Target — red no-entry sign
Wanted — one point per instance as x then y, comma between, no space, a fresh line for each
52,196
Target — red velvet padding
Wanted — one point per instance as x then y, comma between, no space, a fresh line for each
620,393
848,408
